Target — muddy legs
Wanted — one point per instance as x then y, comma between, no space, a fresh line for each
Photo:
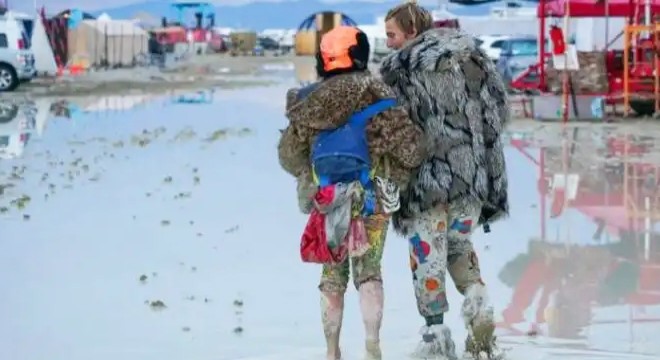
371,306
332,312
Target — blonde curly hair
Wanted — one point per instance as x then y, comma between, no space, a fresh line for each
411,17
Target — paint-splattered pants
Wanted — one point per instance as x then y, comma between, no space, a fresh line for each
334,278
440,241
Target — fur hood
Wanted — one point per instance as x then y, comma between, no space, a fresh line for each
392,136
451,89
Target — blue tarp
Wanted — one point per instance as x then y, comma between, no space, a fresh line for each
75,18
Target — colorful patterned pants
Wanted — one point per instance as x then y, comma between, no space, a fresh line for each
334,278
441,242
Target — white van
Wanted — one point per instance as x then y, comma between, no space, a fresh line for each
16,59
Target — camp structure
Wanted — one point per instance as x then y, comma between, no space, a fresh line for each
65,14
105,42
243,42
316,25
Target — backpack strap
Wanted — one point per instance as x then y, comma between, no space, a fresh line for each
360,118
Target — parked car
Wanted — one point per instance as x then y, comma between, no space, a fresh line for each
517,55
267,43
492,45
16,59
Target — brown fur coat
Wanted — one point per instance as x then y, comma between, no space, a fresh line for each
393,137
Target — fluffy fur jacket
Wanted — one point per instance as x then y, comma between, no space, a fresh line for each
391,135
451,89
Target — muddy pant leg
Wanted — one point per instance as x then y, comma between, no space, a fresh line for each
428,261
464,270
334,280
463,261
461,257
368,280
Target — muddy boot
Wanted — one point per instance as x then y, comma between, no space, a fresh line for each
371,306
436,342
332,310
479,320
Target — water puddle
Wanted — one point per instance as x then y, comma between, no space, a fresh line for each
163,225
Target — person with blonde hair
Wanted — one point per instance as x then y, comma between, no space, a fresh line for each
452,89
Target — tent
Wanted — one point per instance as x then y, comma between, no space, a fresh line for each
106,42
44,58
316,25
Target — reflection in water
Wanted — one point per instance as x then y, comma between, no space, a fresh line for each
594,267
18,122
198,97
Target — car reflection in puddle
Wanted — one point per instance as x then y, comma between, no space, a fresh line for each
17,123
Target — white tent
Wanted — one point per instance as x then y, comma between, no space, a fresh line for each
44,58
118,42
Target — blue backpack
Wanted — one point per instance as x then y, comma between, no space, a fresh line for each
342,154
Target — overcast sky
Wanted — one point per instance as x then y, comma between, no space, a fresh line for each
91,5
96,4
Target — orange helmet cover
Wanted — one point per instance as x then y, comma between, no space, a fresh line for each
335,45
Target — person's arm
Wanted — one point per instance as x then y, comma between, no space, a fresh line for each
404,140
400,138
293,147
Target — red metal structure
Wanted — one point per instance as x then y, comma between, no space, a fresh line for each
534,79
174,32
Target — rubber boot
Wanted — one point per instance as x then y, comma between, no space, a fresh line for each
371,306
479,320
332,312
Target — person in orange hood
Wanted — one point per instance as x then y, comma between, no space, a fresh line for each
348,129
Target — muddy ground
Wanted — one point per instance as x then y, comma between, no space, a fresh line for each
200,72
205,72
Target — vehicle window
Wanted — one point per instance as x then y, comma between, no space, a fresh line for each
3,41
497,44
26,40
524,47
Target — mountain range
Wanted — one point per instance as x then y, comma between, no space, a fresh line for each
260,15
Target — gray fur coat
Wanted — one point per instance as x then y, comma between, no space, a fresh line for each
451,89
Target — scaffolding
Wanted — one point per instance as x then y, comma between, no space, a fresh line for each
641,66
